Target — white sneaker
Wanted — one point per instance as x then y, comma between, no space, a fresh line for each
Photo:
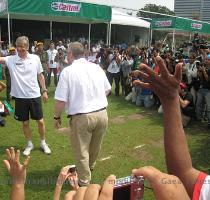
28,149
45,148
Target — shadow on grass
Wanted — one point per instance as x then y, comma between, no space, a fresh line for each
42,180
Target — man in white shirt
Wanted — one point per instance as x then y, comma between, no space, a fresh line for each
24,70
82,90
52,52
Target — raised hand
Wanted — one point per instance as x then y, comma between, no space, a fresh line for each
164,85
16,170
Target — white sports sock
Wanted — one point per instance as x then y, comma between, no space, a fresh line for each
43,142
30,143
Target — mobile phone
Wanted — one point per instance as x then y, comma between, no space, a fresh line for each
72,169
129,188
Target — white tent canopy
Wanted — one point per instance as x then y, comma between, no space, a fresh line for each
128,20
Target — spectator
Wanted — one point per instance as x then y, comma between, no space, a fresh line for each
34,47
61,60
126,65
187,105
12,51
61,46
113,70
191,74
144,98
52,52
203,94
43,55
166,87
18,173
63,176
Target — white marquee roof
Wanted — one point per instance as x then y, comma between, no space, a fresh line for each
129,20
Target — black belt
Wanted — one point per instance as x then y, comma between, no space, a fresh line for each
87,112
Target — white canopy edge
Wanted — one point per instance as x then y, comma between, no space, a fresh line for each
129,20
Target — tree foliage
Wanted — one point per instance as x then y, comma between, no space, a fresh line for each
154,8
157,35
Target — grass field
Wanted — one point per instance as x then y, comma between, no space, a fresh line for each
134,139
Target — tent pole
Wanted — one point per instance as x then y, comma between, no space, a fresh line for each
110,32
89,36
131,35
148,43
69,30
107,34
0,33
8,22
51,33
173,42
151,35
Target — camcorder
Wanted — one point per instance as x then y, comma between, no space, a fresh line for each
129,188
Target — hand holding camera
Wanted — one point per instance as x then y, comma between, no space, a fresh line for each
164,186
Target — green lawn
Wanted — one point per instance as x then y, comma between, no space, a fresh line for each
129,127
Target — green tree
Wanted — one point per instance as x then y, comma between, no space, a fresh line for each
154,8
157,35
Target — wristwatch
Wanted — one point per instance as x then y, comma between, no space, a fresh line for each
45,90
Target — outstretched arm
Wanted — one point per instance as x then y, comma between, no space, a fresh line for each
17,172
166,86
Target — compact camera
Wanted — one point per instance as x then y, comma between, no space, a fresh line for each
72,169
129,188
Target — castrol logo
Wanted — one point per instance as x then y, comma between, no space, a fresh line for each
65,7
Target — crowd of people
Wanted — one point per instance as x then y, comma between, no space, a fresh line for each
178,83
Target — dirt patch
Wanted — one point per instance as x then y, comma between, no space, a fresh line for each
119,119
157,143
135,116
141,154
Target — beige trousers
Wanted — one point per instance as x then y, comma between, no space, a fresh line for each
86,134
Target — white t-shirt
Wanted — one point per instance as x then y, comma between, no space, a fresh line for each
51,55
24,75
83,86
191,71
113,66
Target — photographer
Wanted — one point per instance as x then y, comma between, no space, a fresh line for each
43,55
204,90
186,104
126,65
61,60
190,69
113,70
